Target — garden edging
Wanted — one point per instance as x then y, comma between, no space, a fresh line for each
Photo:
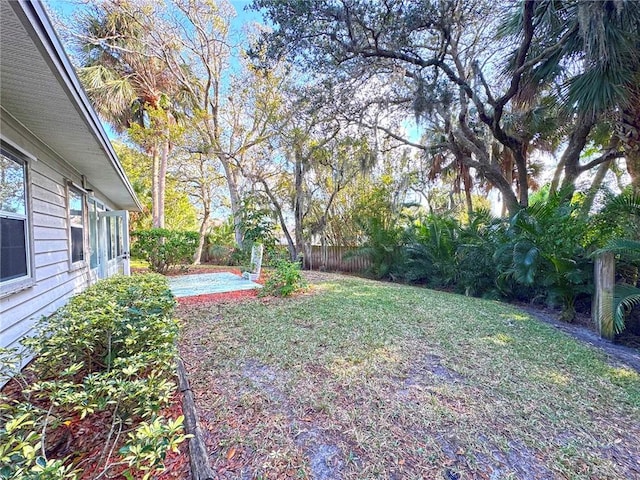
198,456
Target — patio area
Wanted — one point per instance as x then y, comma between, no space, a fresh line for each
209,283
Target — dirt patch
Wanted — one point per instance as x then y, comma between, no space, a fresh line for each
617,353
432,364
265,379
627,458
325,458
425,373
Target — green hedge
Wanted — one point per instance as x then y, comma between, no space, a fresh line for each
164,249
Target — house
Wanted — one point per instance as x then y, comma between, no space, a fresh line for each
64,196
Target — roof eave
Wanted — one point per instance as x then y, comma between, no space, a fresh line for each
38,21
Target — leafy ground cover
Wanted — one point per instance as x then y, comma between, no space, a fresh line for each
358,379
98,399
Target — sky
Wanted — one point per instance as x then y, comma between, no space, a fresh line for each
66,7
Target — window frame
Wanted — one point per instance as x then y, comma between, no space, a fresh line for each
13,285
82,263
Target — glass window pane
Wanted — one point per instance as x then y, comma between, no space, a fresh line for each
76,223
75,207
113,241
109,238
13,245
119,225
77,252
93,234
12,183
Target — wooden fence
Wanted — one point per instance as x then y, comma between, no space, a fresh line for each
332,259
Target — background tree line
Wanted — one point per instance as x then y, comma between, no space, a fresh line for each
324,126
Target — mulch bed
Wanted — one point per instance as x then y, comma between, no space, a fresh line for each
83,440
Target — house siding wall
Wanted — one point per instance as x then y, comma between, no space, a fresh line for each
55,279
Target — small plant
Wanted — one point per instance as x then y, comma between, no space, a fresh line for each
149,444
22,427
284,280
164,249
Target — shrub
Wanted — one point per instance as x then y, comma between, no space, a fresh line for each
384,234
219,254
257,223
110,349
478,240
547,250
284,280
164,249
431,257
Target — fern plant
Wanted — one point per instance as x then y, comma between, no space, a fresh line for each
478,240
383,249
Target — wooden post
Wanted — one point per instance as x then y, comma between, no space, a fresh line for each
602,312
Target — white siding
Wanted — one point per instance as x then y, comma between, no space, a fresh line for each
55,279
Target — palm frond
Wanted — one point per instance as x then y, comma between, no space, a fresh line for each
598,90
625,298
111,94
626,203
622,246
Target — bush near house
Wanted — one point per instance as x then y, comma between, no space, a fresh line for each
106,359
164,249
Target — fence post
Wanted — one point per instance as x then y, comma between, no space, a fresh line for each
602,312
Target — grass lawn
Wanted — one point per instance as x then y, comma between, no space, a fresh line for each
359,379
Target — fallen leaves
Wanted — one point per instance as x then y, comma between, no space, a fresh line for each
231,453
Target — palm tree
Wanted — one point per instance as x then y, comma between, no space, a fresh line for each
590,50
130,88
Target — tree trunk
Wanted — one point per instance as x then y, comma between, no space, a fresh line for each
557,174
468,186
487,169
629,133
293,254
155,180
197,258
234,195
507,168
162,181
632,158
595,186
520,158
493,174
298,204
571,156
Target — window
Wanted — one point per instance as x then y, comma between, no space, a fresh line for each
111,235
95,208
14,223
76,224
114,237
